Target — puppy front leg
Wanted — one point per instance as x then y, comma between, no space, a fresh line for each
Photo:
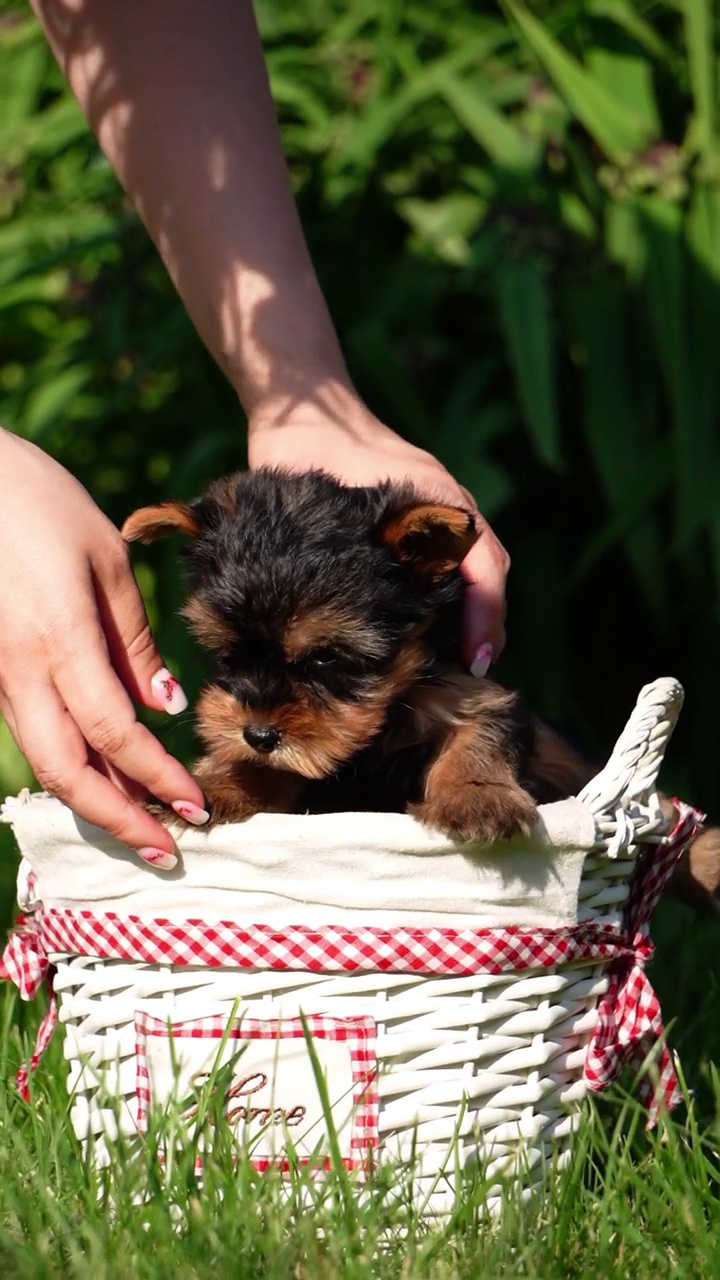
472,791
238,791
235,792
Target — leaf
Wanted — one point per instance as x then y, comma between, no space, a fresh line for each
46,287
524,303
618,131
698,15
24,59
51,400
495,133
47,133
629,468
576,216
664,286
629,78
380,121
301,98
445,224
472,421
627,17
624,241
703,312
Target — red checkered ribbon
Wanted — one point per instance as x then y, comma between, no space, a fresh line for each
25,963
330,949
629,1019
629,1025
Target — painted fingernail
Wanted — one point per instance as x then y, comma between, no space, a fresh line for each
168,692
191,812
158,858
481,661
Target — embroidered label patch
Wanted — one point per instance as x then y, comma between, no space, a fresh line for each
264,1069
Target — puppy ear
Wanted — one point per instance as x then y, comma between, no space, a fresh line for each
428,537
150,523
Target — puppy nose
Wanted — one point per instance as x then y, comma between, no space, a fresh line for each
261,737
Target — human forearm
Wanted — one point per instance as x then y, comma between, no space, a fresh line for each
177,94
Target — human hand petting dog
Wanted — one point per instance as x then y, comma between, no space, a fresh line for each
75,651
335,432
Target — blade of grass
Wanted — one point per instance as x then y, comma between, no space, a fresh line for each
525,312
344,1187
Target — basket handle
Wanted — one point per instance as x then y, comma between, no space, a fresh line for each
632,770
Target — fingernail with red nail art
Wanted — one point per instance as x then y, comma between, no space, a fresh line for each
167,692
481,661
191,812
158,858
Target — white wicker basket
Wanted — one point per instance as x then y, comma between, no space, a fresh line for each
452,993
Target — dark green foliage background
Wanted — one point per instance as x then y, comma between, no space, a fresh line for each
516,219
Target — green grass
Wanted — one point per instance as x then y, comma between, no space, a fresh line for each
630,1204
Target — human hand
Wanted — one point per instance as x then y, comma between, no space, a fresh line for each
339,434
75,650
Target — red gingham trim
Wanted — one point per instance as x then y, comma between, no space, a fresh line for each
25,963
24,960
42,1041
330,949
359,1034
629,1021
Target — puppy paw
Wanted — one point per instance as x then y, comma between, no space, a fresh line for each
166,814
189,818
481,813
225,812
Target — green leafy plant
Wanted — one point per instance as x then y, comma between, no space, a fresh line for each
515,214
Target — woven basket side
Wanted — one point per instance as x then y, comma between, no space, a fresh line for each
494,1063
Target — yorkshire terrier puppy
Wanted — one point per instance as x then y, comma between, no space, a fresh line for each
334,615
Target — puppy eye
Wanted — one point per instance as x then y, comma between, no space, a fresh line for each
318,659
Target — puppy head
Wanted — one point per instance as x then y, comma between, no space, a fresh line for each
323,605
